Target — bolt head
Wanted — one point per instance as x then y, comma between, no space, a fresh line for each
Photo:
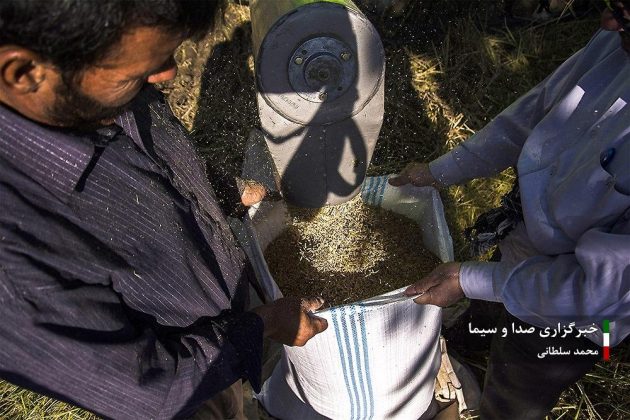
345,56
323,96
298,60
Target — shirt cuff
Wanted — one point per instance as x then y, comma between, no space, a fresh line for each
245,333
476,280
445,169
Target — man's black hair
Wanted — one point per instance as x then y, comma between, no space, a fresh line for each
73,34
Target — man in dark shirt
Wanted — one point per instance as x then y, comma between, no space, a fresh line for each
122,289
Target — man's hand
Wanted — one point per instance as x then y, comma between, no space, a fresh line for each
253,193
440,287
290,320
417,174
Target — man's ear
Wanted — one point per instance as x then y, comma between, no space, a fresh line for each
21,71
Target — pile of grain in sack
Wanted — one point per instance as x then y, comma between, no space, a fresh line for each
347,253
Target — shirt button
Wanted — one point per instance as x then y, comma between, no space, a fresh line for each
110,131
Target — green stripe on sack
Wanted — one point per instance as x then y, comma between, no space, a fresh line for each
606,326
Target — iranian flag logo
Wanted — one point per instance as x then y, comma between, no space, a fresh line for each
606,346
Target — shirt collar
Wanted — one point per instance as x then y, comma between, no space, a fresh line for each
142,106
55,159
127,121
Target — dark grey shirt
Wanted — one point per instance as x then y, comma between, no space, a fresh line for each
122,289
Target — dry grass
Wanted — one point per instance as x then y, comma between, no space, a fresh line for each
603,393
448,73
18,403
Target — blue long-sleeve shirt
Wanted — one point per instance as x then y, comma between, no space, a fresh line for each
570,259
122,289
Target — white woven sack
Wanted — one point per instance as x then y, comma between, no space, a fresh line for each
373,361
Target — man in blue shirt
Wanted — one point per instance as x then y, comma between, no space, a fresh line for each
566,258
